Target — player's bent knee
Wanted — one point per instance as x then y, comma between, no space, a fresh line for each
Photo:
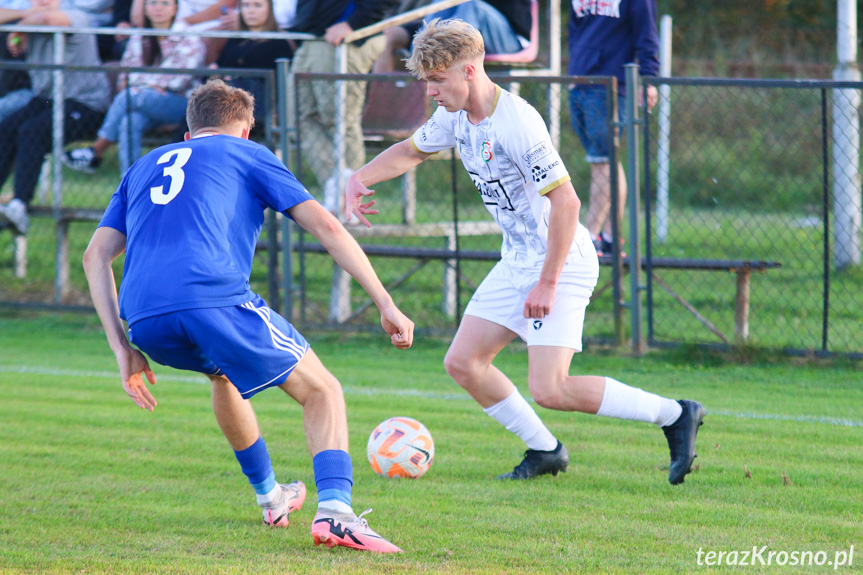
458,367
545,394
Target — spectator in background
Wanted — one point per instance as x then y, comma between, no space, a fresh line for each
602,38
199,15
99,12
333,20
14,84
111,47
25,136
283,10
145,100
255,16
504,24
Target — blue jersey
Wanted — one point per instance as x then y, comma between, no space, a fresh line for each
192,213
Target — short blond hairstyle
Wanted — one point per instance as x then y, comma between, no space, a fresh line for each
218,105
442,43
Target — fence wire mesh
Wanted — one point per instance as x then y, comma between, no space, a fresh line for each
418,212
749,172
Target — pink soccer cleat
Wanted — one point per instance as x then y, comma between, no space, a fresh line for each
347,530
291,499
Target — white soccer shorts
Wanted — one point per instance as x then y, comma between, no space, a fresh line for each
501,295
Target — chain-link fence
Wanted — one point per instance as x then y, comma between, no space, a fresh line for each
66,198
433,240
765,172
740,242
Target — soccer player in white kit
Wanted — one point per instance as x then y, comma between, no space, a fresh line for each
548,268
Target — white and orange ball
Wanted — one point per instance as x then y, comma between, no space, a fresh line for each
400,447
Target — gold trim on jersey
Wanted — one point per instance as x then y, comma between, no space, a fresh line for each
554,185
497,92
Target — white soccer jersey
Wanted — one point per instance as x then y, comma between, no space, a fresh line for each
513,164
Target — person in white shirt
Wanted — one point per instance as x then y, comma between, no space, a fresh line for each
540,288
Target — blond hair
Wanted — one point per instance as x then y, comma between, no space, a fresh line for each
442,43
217,105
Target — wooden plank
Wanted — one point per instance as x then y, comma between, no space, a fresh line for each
399,19
20,255
741,307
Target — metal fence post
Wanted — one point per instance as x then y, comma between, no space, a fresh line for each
340,302
284,92
614,193
663,153
847,196
61,262
632,121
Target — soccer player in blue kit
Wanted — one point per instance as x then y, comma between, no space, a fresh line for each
188,216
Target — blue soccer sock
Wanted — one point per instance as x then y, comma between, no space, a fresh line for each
334,480
255,463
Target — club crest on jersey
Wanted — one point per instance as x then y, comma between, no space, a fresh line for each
485,151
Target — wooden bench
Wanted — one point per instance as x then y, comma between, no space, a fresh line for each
62,218
742,268
340,295
340,307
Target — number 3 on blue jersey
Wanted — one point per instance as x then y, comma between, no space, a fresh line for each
173,171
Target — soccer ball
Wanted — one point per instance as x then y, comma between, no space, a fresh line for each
401,447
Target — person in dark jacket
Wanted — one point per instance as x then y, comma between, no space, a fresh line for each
255,16
333,20
603,37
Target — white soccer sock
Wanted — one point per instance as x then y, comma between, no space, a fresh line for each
335,505
517,416
624,402
266,499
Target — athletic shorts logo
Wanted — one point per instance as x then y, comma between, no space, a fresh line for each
537,153
537,324
540,173
485,151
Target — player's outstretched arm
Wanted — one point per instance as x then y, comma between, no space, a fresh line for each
391,163
349,255
106,244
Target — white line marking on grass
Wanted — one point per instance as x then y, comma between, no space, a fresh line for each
352,390
797,418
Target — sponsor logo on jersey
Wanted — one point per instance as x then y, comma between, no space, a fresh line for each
485,151
610,8
537,324
492,192
540,173
536,153
428,129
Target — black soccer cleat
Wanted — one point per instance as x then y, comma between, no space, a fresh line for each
537,463
681,439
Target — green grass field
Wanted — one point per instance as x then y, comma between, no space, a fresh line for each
91,484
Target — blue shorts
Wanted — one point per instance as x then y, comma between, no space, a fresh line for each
590,121
252,345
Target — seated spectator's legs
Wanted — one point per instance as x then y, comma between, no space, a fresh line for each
497,33
34,139
10,127
14,101
134,112
317,104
